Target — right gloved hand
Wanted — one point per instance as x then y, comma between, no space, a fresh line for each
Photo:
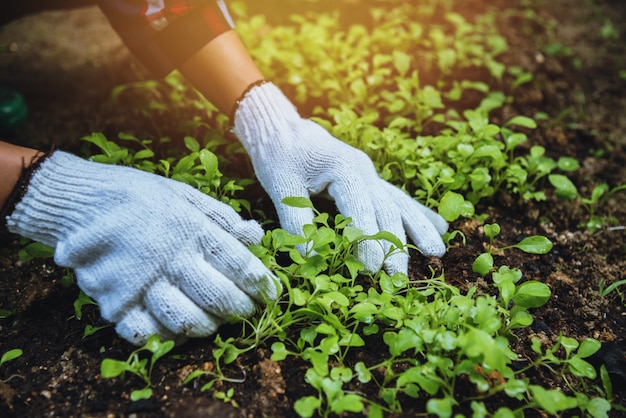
157,255
293,156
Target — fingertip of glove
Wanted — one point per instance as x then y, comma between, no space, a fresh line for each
397,263
265,287
440,224
137,325
435,250
274,288
249,232
371,254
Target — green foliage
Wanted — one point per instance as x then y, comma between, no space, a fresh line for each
565,189
398,89
434,334
32,250
198,167
608,31
135,364
393,89
9,356
532,245
172,101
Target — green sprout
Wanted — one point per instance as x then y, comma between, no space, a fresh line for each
140,367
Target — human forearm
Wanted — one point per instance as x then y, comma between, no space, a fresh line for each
13,160
222,70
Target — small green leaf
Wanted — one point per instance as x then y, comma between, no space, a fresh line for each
581,368
11,355
453,205
567,164
363,373
164,348
139,394
36,250
194,375
301,297
515,387
536,345
209,163
298,202
598,191
348,403
552,400
352,234
534,245
491,230
598,407
520,318
153,343
440,407
143,154
307,406
588,348
343,374
504,412
279,351
375,411
358,88
191,144
387,236
112,368
564,188
80,301
5,313
607,383
483,264
402,62
531,294
91,330
523,121
569,344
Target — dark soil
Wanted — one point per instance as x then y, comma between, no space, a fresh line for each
66,64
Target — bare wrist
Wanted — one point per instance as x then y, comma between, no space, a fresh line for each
14,161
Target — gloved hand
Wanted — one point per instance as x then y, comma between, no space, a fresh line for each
293,156
157,255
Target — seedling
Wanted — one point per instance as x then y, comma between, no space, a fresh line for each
199,168
567,190
614,287
32,250
9,356
140,367
484,263
393,90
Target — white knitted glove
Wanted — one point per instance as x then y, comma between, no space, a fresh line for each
293,156
157,255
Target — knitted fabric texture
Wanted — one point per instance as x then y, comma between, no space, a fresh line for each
293,156
19,190
157,255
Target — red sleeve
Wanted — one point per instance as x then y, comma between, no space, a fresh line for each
165,33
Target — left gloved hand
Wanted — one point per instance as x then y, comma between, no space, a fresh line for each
157,255
293,156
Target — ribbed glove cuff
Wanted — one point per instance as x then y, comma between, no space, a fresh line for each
55,196
262,112
19,190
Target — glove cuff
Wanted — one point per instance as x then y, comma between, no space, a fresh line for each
48,201
243,95
262,112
